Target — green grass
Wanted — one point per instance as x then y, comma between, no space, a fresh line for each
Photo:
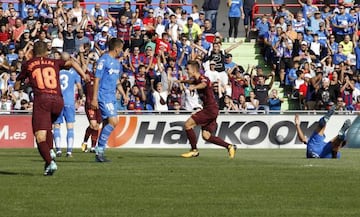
144,182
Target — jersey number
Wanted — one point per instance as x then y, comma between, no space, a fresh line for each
45,78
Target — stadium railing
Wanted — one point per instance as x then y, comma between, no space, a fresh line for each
172,112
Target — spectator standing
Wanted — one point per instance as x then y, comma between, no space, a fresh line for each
275,101
211,7
97,11
236,12
162,9
69,38
247,7
173,28
261,91
192,30
341,24
308,9
159,96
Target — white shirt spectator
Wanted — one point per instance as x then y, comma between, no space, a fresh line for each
160,101
20,95
191,100
162,9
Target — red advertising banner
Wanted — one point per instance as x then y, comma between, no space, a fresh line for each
16,131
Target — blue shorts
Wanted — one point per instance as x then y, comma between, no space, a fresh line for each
318,148
108,109
68,112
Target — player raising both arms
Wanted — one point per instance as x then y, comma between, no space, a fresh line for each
43,75
108,72
316,147
206,117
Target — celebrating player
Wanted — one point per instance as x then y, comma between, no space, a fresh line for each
206,117
68,79
43,75
316,145
106,77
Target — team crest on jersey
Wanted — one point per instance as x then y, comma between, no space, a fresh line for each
100,65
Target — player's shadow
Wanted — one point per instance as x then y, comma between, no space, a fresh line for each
7,173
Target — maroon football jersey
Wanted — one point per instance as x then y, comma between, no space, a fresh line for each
43,74
89,86
207,94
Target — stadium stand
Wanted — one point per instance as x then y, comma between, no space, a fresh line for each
162,35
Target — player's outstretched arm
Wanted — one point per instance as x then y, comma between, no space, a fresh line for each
94,101
299,131
71,62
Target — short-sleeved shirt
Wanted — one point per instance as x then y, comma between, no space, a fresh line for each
108,71
234,10
261,92
68,78
43,74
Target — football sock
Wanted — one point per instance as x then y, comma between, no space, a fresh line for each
70,139
323,120
57,138
50,139
87,133
44,151
218,141
104,136
94,137
344,128
192,138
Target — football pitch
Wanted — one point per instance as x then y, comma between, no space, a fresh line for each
157,182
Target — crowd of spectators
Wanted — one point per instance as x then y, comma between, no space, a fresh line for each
315,52
317,66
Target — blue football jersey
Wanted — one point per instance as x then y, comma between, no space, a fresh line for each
108,71
68,79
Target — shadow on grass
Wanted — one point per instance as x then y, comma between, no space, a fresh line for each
132,155
7,173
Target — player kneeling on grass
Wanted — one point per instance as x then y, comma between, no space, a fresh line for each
316,145
206,117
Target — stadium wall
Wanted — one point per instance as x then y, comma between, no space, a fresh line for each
166,131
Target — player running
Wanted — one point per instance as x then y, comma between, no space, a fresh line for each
68,79
316,145
43,75
108,72
206,117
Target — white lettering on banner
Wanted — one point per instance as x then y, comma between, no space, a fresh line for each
247,131
16,131
5,134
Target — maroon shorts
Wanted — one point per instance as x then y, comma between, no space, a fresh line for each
46,110
93,114
206,118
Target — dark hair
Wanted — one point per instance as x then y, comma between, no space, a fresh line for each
194,64
40,48
142,66
114,43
